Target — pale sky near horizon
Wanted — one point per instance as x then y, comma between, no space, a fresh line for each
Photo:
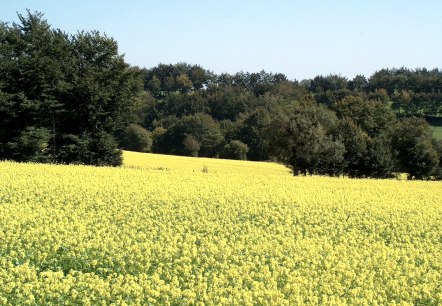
301,39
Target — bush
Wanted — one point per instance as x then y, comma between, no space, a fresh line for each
105,151
32,145
137,138
157,136
191,146
414,147
100,150
74,149
235,150
182,137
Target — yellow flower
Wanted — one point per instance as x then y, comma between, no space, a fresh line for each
160,231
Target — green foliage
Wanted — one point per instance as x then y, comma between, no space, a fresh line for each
163,80
437,132
201,127
379,94
254,133
372,116
191,146
63,98
364,156
303,140
423,86
331,158
359,83
331,82
65,86
227,103
437,145
380,161
32,145
99,149
74,149
413,144
137,138
435,125
356,143
183,104
230,129
104,151
235,149
157,139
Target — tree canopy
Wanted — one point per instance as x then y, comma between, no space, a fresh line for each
73,99
62,96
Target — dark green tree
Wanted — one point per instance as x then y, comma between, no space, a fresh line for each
158,140
330,82
371,116
359,83
412,142
229,102
303,140
163,79
379,161
77,88
356,143
33,64
183,104
136,138
235,149
32,145
201,127
402,101
365,156
99,149
191,146
254,133
379,94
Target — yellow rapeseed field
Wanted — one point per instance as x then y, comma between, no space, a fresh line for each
162,231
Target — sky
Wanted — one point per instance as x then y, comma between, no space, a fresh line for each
301,39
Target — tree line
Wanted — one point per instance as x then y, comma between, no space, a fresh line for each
73,99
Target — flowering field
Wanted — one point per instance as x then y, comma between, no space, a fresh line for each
162,231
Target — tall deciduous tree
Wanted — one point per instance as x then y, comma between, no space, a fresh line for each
414,147
303,140
77,88
136,138
235,149
254,133
372,116
181,138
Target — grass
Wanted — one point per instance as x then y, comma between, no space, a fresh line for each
437,132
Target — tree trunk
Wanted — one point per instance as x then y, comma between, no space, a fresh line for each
295,170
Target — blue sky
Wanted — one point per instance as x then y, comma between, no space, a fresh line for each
301,39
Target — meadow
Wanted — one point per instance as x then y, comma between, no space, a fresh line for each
160,230
437,132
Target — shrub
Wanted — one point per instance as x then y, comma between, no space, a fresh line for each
137,138
32,145
191,146
235,150
100,150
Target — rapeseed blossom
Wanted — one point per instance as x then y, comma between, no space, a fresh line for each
162,231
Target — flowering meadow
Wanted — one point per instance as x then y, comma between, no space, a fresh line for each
176,231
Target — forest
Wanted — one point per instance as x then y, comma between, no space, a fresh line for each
73,99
